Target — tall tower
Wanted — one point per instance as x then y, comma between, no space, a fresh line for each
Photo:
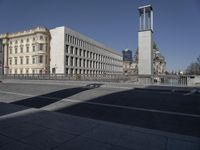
145,41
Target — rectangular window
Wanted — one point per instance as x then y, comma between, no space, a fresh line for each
66,60
21,49
40,59
41,47
33,60
41,37
33,48
66,48
80,51
71,61
10,61
16,50
76,51
87,54
66,71
21,60
80,62
84,53
71,50
15,60
27,71
76,62
11,50
27,60
27,49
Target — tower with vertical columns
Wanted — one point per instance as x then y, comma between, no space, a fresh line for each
145,40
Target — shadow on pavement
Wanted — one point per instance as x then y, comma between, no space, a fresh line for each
49,98
120,108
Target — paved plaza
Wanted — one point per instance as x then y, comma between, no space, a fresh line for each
72,115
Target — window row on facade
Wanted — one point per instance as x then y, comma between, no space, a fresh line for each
27,60
72,40
79,62
27,48
26,71
71,50
75,71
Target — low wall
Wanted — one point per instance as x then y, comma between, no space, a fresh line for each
193,80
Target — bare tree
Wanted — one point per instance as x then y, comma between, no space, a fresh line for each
194,68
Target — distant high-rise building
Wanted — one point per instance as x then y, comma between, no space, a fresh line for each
127,55
127,61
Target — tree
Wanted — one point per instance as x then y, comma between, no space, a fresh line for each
194,68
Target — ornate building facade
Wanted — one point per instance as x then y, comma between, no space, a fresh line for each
26,52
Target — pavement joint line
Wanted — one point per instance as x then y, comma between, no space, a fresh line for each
134,108
109,105
14,93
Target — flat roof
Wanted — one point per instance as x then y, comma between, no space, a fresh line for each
148,7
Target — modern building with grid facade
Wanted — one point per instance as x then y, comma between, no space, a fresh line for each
74,53
26,52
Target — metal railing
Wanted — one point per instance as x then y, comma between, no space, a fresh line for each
172,80
78,77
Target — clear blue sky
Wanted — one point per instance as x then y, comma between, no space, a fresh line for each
114,23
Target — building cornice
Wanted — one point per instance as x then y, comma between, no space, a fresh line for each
25,33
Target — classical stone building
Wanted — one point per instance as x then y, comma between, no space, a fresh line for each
58,51
74,53
26,52
159,63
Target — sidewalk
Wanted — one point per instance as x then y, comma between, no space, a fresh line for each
35,129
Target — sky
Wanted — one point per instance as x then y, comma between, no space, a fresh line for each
114,23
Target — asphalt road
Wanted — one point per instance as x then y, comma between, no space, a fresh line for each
166,110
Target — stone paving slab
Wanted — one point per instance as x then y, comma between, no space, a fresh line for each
61,131
21,130
65,123
173,144
127,138
16,146
47,139
4,140
82,143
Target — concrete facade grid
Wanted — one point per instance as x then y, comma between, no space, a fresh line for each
84,55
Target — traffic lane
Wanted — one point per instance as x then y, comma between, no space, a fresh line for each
180,124
167,101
